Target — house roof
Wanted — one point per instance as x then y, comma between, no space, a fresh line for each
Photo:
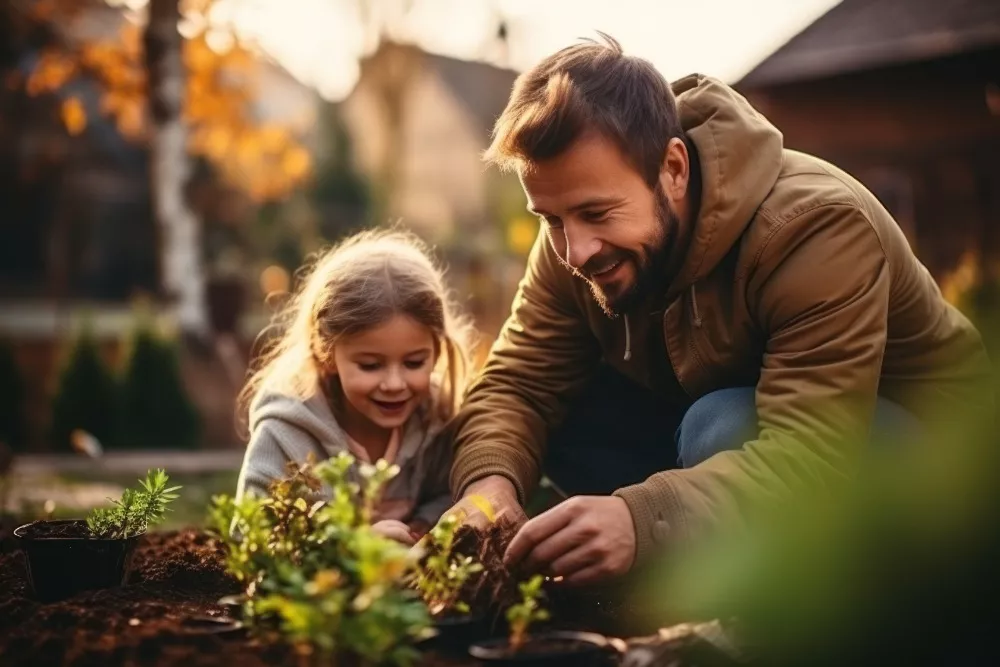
864,34
482,87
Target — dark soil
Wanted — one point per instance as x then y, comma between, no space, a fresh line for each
177,578
47,530
496,589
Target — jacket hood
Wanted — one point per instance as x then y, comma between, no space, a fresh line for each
740,155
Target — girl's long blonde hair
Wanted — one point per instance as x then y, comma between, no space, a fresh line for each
355,286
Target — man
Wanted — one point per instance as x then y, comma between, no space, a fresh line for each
761,295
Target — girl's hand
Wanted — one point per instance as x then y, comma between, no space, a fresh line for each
394,530
418,528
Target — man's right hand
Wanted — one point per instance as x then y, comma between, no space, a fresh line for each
495,494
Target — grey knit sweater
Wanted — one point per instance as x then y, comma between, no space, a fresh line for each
283,429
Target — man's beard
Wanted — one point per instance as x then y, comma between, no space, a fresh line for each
650,265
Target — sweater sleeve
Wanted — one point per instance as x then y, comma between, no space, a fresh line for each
265,461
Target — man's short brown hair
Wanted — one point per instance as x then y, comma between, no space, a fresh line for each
588,86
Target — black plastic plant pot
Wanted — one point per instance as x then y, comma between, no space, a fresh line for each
549,649
455,634
63,560
234,605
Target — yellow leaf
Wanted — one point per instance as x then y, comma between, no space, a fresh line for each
51,73
296,163
521,234
73,116
483,505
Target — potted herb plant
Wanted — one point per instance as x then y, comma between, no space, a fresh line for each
546,649
68,556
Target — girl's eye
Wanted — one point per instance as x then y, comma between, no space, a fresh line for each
368,367
551,222
415,364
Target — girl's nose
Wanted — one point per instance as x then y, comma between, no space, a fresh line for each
393,381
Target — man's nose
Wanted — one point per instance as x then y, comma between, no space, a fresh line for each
581,246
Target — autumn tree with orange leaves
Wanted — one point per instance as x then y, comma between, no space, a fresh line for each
181,95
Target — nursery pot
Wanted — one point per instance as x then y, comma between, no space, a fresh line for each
455,634
63,561
549,649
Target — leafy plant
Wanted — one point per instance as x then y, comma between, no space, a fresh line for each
136,510
314,570
443,574
522,615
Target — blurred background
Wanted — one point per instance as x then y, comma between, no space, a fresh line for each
167,165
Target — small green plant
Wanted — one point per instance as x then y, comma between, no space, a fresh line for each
522,615
443,574
313,569
136,510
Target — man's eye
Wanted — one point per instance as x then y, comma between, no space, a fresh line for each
595,216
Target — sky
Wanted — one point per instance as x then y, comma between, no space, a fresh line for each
320,41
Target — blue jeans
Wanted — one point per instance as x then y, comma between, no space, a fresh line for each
725,419
617,433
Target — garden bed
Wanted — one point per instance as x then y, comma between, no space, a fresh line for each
178,576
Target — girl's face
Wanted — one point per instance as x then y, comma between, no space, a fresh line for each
385,372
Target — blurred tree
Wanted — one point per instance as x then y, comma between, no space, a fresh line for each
155,410
86,393
12,423
179,93
341,194
338,202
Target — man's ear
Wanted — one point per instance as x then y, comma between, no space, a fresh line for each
675,172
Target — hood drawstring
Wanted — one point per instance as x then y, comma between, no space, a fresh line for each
694,307
628,340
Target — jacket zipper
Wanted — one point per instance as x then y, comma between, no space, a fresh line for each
670,358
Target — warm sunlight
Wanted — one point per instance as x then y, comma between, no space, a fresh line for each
319,41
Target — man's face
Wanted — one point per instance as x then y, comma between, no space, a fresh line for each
603,221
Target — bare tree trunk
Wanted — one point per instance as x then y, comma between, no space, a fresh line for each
182,269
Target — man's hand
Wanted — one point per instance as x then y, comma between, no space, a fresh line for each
585,539
494,495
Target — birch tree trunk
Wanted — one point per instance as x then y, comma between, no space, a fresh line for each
182,269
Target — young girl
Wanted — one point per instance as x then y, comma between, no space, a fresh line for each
371,361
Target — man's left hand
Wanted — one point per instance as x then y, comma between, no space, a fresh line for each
585,539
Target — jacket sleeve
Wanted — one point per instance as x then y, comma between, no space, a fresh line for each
819,291
544,354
